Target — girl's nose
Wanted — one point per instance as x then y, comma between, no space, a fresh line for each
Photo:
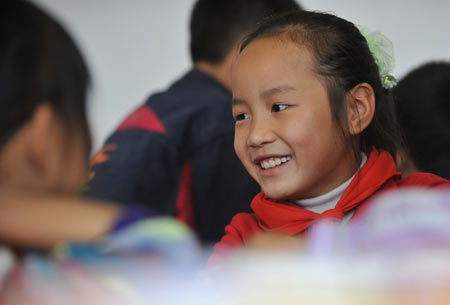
260,133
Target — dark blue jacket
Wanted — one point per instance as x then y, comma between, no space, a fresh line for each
175,155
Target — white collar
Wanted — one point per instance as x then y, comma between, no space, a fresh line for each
328,200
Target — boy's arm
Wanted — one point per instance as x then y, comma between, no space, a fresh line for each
42,221
136,167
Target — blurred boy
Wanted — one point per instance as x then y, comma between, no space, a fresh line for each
423,111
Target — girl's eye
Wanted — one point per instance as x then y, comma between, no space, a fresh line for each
241,116
279,107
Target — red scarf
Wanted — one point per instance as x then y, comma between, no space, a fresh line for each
291,219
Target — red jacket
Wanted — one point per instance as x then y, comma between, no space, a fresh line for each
377,175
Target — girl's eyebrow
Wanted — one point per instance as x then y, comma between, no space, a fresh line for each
266,93
236,101
275,90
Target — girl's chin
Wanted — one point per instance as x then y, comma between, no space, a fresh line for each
277,194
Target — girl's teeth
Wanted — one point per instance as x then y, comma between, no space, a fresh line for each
274,162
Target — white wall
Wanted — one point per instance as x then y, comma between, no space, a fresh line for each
135,47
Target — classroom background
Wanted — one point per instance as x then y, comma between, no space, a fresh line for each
137,47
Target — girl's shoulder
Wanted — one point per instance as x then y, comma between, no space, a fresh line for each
425,180
417,180
243,226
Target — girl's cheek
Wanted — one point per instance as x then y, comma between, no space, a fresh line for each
239,146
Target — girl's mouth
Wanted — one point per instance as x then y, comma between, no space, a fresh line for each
273,162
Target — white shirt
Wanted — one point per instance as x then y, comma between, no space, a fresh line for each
329,200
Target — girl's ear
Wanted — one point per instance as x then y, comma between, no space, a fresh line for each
360,105
40,132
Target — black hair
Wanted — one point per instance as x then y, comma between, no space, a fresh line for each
216,26
343,58
39,63
423,110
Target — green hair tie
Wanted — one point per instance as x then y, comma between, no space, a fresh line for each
382,51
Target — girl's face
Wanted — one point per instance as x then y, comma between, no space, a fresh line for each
285,134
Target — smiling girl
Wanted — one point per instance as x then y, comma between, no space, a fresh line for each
314,126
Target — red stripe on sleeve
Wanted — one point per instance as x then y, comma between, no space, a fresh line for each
143,118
